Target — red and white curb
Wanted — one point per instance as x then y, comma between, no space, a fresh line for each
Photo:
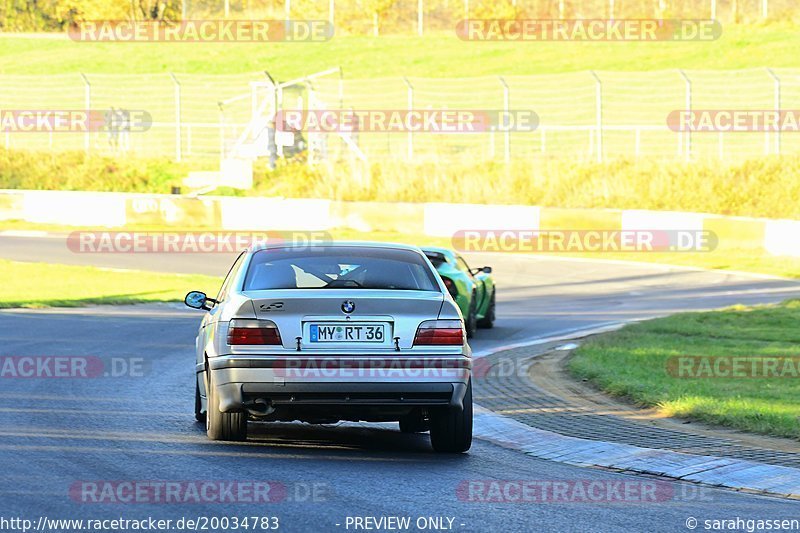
709,470
719,471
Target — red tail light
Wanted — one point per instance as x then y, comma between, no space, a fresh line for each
451,286
249,332
440,333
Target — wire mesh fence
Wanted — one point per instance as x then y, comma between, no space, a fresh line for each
586,116
377,17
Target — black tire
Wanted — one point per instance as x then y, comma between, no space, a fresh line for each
414,422
198,404
471,321
487,322
223,426
451,429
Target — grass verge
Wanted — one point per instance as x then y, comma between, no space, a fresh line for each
633,363
757,187
437,54
52,285
77,171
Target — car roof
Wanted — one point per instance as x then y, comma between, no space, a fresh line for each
334,244
438,250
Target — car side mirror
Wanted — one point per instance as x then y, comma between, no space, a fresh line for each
199,300
487,270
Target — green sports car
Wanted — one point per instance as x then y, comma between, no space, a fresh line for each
472,288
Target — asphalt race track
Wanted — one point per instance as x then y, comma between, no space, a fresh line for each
61,435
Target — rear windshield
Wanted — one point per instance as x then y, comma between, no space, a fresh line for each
436,259
351,267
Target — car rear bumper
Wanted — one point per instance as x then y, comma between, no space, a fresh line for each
341,381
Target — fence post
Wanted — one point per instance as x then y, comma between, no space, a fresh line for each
506,132
713,9
87,104
420,6
410,144
331,11
598,93
341,88
466,9
688,145
178,142
777,98
274,93
312,100
611,9
287,8
560,9
221,133
764,9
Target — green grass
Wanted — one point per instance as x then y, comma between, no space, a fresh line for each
757,187
745,260
439,54
632,363
52,285
75,171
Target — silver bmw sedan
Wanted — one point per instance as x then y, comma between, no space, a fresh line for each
320,333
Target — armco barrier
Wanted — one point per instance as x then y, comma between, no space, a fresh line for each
782,237
11,205
635,219
75,208
579,219
274,213
175,210
738,232
443,220
397,217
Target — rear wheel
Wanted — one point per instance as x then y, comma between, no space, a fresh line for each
223,426
451,429
471,321
198,404
488,320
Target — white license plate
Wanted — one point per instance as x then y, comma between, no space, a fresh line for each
364,332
